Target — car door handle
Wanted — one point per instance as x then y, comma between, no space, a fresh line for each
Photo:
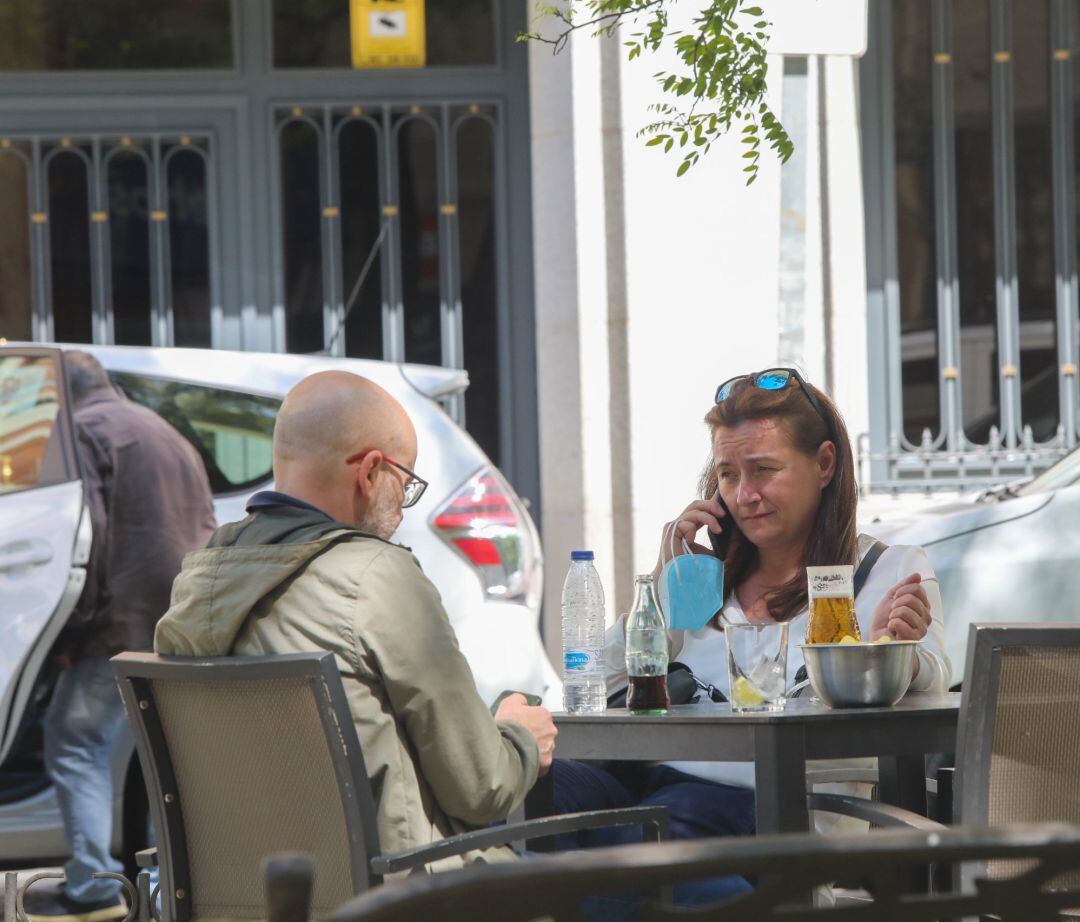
20,554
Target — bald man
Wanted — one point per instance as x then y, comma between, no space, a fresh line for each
312,568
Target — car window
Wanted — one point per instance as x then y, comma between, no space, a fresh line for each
232,431
1064,473
30,451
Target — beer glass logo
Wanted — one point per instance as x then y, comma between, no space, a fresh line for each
825,583
576,659
830,582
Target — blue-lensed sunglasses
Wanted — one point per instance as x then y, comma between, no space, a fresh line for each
776,379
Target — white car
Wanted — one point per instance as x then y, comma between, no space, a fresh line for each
1012,554
470,531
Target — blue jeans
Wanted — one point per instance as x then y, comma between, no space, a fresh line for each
82,724
696,809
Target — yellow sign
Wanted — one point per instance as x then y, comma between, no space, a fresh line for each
387,33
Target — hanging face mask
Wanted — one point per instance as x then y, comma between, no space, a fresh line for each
691,588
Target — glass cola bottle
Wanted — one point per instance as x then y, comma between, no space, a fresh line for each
646,652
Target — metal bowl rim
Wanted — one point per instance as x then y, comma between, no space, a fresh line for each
862,644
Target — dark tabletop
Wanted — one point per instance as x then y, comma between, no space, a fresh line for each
921,722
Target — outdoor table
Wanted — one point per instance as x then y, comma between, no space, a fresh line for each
778,743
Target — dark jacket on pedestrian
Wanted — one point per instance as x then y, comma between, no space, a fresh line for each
150,504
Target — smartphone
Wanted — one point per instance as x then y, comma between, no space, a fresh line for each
721,542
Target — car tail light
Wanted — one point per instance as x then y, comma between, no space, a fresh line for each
486,523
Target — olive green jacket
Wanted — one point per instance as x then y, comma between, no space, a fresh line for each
286,580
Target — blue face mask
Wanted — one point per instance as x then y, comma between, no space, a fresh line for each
691,589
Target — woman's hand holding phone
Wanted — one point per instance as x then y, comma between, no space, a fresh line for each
702,513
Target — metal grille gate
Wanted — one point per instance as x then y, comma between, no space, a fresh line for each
90,158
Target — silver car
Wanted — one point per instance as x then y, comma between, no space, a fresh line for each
470,531
1012,554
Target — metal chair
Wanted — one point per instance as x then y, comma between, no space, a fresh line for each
250,756
553,887
1018,739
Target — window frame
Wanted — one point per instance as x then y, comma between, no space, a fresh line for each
202,449
63,425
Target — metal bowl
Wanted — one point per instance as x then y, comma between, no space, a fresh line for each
860,675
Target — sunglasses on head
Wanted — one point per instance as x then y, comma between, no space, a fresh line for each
776,379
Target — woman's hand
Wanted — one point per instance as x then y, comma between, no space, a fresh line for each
702,513
903,613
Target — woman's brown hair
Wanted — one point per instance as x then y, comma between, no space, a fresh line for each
834,537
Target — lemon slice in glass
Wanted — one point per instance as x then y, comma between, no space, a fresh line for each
745,694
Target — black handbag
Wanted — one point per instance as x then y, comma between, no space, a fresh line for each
683,688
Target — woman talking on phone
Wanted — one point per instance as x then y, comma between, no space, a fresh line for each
778,496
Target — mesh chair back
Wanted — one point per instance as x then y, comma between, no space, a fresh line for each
247,757
1019,747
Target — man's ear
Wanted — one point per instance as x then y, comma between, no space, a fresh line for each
826,459
366,472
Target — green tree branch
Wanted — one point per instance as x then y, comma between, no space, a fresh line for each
721,85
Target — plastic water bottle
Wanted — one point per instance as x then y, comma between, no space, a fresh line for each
584,686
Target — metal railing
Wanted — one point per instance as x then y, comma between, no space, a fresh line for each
948,457
87,211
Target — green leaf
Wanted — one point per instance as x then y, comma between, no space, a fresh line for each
719,75
683,167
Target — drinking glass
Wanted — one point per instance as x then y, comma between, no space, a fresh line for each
757,666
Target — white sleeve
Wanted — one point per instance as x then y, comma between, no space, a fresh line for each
935,670
615,655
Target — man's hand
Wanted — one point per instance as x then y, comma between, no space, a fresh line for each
903,613
537,720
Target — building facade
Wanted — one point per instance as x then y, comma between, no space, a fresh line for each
217,173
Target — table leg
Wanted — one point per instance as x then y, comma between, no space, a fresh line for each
780,775
902,782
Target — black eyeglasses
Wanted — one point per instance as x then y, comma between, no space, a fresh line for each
776,379
414,487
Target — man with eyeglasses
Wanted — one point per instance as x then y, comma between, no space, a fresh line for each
312,567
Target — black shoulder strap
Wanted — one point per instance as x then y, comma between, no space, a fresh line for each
867,564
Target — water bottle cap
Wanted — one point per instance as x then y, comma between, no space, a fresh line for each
581,555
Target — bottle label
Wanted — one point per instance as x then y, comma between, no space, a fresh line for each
575,659
830,582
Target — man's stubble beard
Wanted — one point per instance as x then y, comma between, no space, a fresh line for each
384,516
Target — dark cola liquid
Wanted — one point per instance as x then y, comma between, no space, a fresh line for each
648,694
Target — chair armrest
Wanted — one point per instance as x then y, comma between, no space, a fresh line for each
870,810
147,858
655,817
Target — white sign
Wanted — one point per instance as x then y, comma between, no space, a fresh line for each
816,26
388,25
